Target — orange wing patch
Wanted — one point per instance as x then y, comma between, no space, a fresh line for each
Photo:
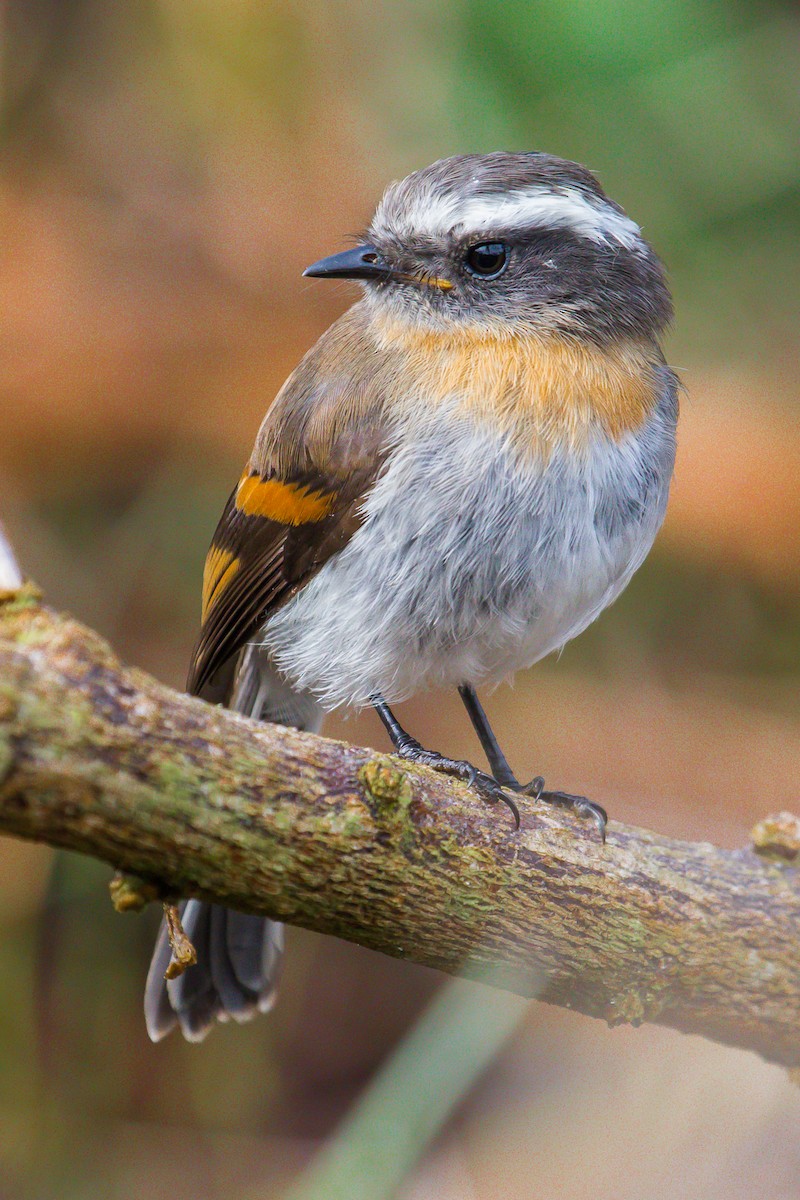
221,566
286,503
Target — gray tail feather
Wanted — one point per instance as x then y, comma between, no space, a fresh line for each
238,955
236,976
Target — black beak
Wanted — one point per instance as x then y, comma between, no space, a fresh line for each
363,262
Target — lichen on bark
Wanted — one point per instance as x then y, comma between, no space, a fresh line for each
196,801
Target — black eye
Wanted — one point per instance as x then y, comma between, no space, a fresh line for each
487,259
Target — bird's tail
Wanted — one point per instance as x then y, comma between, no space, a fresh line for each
238,955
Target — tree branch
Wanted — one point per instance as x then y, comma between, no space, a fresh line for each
106,761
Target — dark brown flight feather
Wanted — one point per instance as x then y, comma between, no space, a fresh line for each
317,455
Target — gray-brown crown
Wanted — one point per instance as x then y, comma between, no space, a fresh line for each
577,263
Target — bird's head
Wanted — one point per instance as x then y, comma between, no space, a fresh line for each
507,244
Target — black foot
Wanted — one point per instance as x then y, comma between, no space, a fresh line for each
487,788
408,747
503,774
583,808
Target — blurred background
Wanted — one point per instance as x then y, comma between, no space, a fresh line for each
167,169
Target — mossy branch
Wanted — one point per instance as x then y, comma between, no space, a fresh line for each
201,802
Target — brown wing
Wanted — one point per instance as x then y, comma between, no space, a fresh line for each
317,454
273,536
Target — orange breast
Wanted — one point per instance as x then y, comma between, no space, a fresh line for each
541,391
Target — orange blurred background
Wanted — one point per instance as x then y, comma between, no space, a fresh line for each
166,172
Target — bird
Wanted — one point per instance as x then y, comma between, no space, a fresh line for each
458,477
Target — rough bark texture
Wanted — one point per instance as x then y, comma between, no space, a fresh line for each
106,761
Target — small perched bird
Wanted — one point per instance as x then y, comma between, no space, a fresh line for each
459,476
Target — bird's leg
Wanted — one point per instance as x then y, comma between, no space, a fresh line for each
480,722
505,776
487,787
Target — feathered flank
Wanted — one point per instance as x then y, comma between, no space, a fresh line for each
460,475
257,562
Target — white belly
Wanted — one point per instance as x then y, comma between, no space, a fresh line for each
472,563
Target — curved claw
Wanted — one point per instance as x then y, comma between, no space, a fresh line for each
511,804
470,775
588,809
491,792
582,808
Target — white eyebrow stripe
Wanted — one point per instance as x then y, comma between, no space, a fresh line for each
566,209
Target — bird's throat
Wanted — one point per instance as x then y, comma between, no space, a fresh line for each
541,391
